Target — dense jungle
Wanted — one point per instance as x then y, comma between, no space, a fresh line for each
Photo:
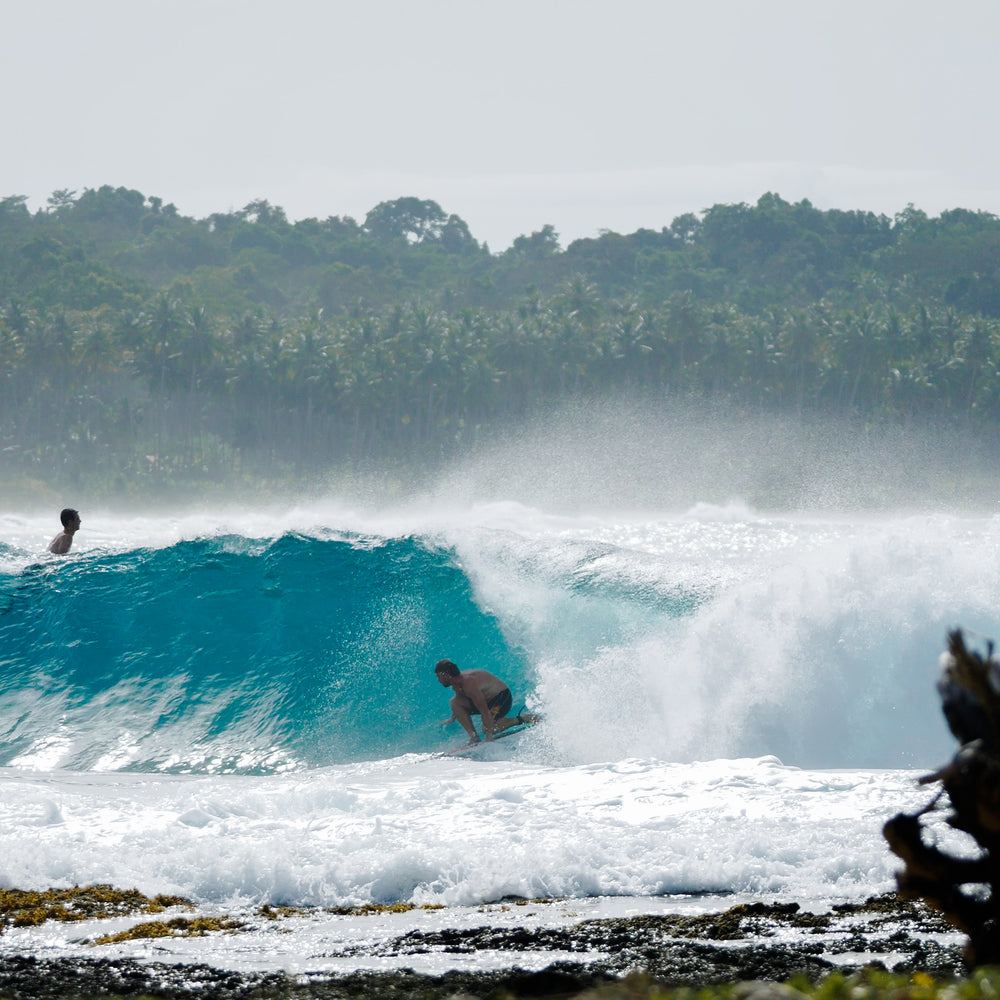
143,352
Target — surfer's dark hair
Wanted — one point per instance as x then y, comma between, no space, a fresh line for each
446,667
66,515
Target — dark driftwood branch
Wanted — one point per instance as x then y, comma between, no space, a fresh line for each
970,697
928,863
974,673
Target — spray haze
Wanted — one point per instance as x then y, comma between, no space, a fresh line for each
623,453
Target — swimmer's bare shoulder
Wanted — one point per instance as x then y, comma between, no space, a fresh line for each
60,545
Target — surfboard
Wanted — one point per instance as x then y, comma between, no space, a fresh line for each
472,748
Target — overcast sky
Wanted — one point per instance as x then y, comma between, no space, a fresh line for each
586,114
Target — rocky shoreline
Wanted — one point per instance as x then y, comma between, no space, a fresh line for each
770,942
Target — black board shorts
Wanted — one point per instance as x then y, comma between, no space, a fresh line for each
499,704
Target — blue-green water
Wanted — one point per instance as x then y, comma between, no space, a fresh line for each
229,653
238,652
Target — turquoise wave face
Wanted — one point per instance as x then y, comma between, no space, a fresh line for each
234,655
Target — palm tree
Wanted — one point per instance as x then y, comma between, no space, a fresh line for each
799,341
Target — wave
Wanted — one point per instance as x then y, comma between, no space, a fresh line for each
716,633
234,654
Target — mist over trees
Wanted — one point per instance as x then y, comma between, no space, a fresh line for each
142,350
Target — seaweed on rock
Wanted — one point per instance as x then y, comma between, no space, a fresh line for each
965,889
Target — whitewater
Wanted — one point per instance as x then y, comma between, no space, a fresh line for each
237,705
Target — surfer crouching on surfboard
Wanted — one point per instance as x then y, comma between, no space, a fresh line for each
478,692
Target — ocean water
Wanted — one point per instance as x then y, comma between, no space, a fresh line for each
239,706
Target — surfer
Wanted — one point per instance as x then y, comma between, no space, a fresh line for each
70,518
478,692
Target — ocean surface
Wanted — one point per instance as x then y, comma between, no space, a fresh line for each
240,706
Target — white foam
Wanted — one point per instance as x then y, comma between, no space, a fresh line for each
445,830
813,638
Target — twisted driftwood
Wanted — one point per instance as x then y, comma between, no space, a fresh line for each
965,890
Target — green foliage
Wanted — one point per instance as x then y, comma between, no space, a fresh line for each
142,348
419,222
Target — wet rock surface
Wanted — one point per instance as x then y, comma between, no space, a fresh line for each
757,942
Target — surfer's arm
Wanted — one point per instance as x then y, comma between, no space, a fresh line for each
449,720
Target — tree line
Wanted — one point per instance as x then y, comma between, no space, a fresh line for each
141,349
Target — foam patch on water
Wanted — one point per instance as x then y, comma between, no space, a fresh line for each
445,830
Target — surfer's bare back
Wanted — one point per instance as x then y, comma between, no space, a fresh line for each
478,692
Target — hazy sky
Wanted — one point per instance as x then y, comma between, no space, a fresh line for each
586,114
